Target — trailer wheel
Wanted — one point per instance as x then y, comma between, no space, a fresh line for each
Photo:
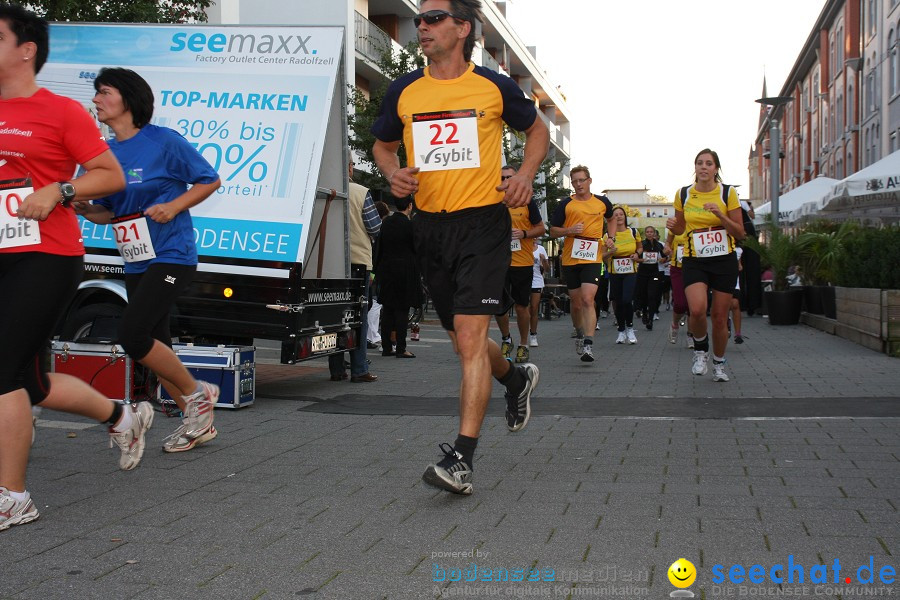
80,323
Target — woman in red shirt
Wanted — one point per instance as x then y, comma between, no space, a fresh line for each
43,138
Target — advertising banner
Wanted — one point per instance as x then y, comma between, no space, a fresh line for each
254,101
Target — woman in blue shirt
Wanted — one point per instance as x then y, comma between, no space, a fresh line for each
155,236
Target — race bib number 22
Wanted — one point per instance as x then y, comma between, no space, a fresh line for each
446,140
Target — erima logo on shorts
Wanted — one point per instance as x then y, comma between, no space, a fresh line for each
490,301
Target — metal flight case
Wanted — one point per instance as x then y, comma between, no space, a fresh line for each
232,368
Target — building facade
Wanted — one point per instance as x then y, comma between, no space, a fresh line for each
372,25
844,90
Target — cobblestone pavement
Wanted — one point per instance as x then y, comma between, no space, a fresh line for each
628,463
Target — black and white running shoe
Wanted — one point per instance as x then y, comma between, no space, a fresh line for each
452,473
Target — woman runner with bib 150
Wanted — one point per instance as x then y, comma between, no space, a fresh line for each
155,236
709,215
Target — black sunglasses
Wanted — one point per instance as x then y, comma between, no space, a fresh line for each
433,16
505,177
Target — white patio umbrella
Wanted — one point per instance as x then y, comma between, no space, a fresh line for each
870,194
790,204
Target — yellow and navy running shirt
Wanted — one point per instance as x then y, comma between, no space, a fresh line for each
677,249
452,130
627,243
593,212
524,217
698,218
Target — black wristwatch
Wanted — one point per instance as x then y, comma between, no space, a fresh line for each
67,191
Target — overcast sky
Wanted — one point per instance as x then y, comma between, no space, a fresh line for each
649,83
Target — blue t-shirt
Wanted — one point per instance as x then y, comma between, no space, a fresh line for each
159,164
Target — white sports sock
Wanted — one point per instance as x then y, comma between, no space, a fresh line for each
19,496
125,420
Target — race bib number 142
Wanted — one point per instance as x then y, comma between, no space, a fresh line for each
446,140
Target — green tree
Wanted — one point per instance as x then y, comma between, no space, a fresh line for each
364,110
122,11
548,184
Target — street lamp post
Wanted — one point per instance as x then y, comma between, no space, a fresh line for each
774,150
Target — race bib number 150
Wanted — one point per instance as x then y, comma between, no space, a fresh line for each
446,140
711,242
14,231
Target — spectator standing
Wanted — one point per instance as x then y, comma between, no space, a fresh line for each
373,334
364,225
397,283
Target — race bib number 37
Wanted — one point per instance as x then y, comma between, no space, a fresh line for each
446,140
14,231
585,249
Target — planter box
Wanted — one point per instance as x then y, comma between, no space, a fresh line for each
890,321
869,317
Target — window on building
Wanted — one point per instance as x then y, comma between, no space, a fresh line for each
839,117
876,142
867,148
895,61
833,68
892,63
851,114
873,8
839,67
870,92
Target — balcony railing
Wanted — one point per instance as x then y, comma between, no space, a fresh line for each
488,61
371,41
556,135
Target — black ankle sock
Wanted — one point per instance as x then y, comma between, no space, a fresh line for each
116,414
466,445
513,381
702,345
588,341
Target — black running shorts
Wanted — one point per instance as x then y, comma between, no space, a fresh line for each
463,257
518,280
719,273
576,275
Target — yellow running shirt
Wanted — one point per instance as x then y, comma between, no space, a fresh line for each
524,218
698,221
593,212
452,131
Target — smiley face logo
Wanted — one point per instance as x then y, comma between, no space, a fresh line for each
682,573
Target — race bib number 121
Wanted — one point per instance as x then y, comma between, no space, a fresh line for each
133,238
